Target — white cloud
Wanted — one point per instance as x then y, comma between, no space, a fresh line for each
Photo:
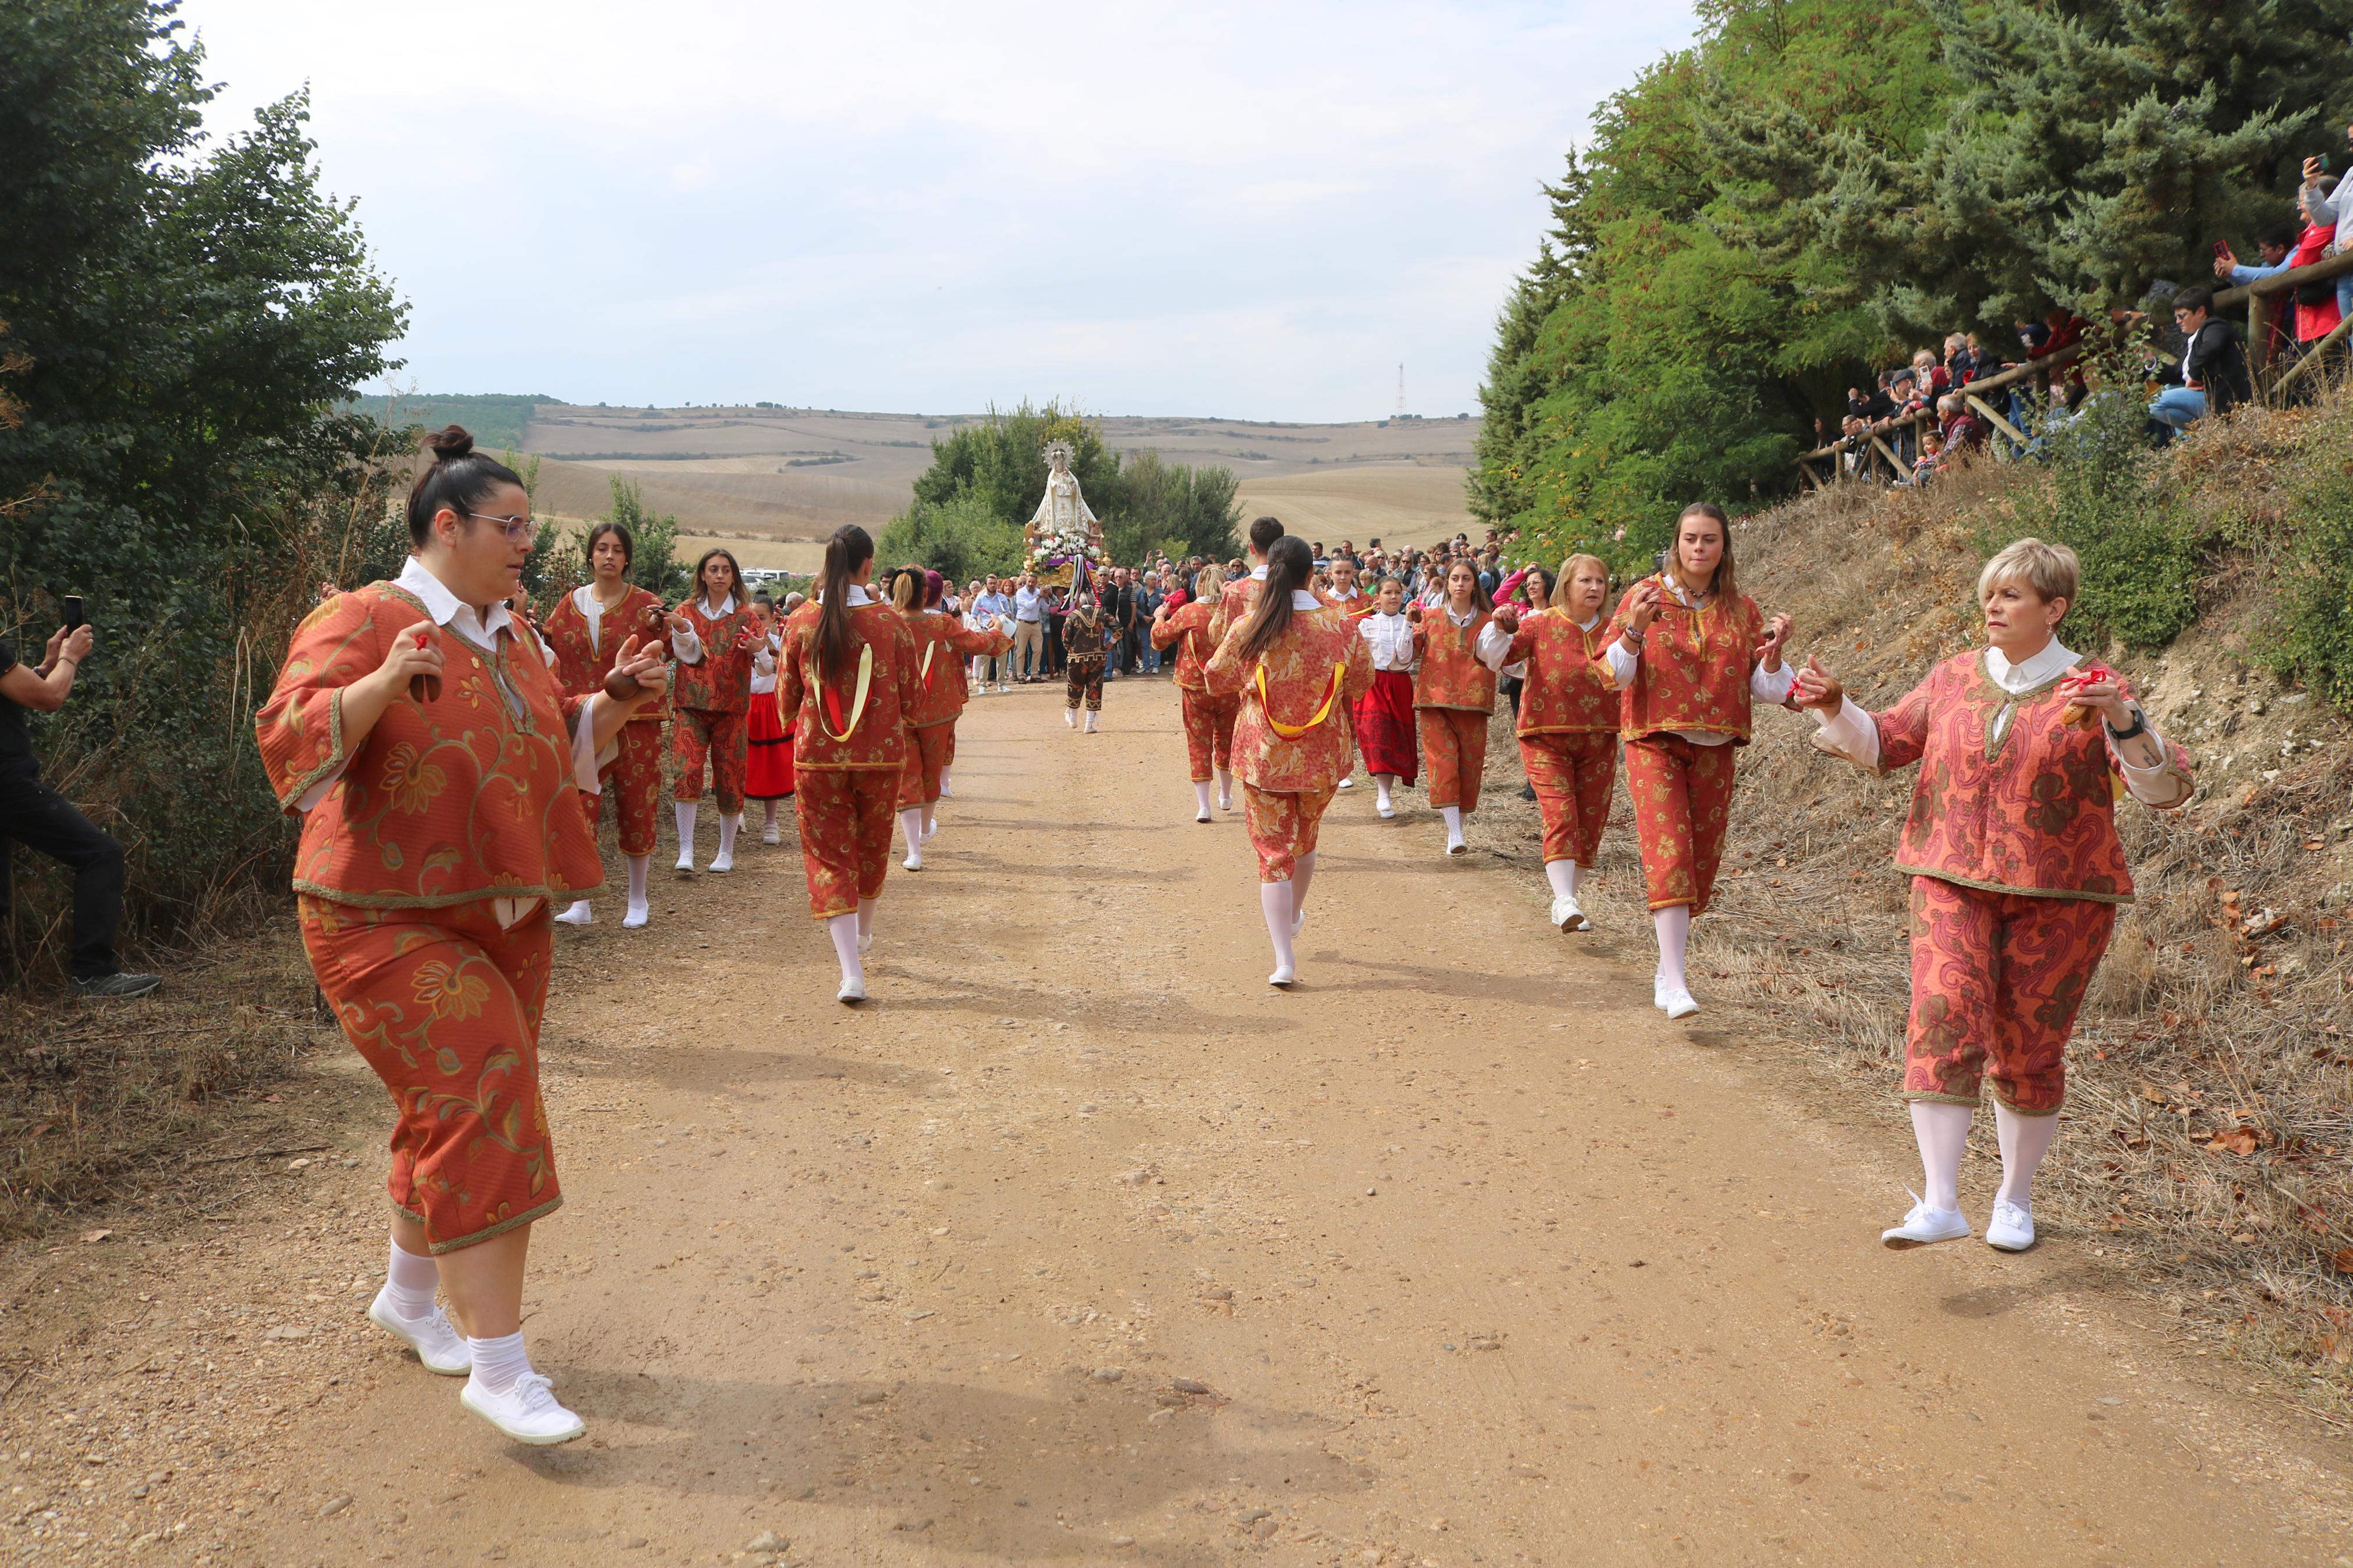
1152,209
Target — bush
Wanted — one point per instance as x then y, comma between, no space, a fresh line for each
2313,553
959,537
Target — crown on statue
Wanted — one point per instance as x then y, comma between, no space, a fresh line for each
1058,449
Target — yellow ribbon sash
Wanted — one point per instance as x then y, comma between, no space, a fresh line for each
857,704
1331,699
925,670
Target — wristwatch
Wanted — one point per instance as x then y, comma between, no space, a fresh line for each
2139,726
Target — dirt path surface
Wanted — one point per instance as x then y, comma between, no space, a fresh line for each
1079,1244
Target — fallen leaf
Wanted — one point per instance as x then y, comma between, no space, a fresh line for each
95,1235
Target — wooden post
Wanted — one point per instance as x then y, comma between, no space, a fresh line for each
2004,425
1902,468
2259,337
2311,357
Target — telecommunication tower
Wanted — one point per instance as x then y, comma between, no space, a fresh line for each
1400,412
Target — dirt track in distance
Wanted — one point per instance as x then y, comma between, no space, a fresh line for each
1463,1255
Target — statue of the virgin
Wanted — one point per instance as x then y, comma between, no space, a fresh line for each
1064,534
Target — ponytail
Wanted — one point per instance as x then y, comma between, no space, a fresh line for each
906,589
1289,566
850,548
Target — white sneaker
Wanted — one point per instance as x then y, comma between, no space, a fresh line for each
1680,1003
1454,845
1386,809
635,916
1567,915
772,833
685,859
527,1413
579,914
851,991
1348,783
946,793
436,1342
2012,1229
1225,802
1924,1224
723,861
914,861
1282,976
1202,815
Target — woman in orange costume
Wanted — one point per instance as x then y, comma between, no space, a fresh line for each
1208,717
943,645
2017,870
439,768
1567,720
847,690
1296,664
584,630
713,634
768,749
1453,696
1686,684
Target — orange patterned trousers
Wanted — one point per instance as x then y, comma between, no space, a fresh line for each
725,739
1282,826
1454,750
445,1006
1682,802
1573,776
930,748
846,818
1210,732
1997,978
632,782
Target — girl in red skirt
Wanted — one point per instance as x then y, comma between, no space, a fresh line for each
943,643
847,685
1693,652
1453,696
1384,714
1208,717
768,758
1295,663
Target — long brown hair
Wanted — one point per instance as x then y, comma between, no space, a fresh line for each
1726,583
1478,600
734,576
1289,564
850,548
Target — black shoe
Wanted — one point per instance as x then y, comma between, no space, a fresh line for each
118,984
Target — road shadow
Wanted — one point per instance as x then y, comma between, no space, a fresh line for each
702,1068
1431,980
950,991
1993,1301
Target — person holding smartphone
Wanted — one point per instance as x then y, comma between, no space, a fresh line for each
39,817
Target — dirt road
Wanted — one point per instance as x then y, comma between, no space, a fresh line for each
1079,1244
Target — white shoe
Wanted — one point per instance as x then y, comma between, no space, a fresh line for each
1386,809
1454,845
946,793
635,916
1348,783
1070,718
931,831
1568,916
1202,815
1924,1224
527,1413
1282,976
1658,991
437,1343
579,914
686,859
851,991
1298,923
1225,802
2012,1229
723,861
1679,1003
866,945
772,833
914,861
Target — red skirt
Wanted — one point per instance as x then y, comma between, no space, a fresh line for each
768,763
1385,727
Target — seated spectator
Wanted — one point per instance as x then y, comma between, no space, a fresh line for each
1932,457
2213,367
1958,425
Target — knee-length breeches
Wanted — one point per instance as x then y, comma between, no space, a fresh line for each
1683,803
1573,776
1454,754
846,818
445,1005
632,782
1997,978
1282,826
1084,677
1210,732
930,748
724,738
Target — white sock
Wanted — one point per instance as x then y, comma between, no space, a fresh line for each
1070,717
2024,1141
684,811
640,864
931,822
866,917
1943,1131
499,1364
1226,789
1303,872
409,1280
1274,902
1091,717
768,817
1562,874
1453,814
911,825
1201,797
728,827
843,930
945,782
1383,781
1673,925
579,913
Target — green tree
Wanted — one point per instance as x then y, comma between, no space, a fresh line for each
1171,507
654,564
960,537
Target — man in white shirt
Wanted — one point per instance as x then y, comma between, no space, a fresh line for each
1028,630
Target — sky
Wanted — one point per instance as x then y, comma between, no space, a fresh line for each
1244,211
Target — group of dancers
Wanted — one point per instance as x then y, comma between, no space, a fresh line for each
437,750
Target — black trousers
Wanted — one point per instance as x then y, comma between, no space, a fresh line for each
42,820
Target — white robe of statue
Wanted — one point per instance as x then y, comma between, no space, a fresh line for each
1063,524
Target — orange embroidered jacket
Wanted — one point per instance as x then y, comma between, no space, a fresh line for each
581,666
446,801
721,680
855,718
1451,674
2008,797
1187,626
1352,604
1232,608
1309,679
942,645
1692,674
1568,691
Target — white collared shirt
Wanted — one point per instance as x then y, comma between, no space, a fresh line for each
1301,599
1391,639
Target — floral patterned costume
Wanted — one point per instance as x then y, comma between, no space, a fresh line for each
849,747
1453,696
942,644
1568,728
1209,718
1291,745
584,649
712,696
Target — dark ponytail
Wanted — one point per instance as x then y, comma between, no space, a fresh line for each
1289,566
850,548
459,477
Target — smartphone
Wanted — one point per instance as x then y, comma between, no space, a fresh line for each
2222,248
73,611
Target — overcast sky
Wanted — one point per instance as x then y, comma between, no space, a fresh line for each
1255,211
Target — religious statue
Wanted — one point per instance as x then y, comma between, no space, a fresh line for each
1064,538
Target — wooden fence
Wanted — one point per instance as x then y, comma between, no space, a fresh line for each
2260,298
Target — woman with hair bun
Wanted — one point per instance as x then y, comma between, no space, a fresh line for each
713,633
1692,654
847,688
1209,718
1453,696
1296,664
940,696
584,630
438,767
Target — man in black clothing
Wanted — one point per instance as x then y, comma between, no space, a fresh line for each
39,817
2213,370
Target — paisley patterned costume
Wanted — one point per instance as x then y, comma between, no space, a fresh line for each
1209,719
712,696
583,657
1453,696
943,646
1568,728
850,748
1291,745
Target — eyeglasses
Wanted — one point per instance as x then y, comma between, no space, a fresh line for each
519,530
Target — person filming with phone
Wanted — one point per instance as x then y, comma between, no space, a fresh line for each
39,817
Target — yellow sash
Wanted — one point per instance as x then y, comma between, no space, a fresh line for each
857,704
1331,698
925,670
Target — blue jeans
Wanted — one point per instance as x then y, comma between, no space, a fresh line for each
2180,407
